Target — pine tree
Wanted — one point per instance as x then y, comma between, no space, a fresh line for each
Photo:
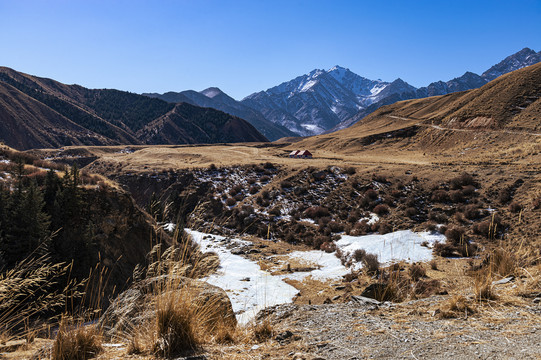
27,224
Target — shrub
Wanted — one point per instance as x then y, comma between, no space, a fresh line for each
455,235
316,212
254,189
438,217
212,167
350,170
275,211
263,331
444,249
264,179
335,226
440,196
416,272
384,228
463,180
371,194
433,264
268,166
537,203
456,196
515,207
456,306
323,221
381,209
410,212
328,246
359,255
379,178
251,181
468,190
286,184
472,212
485,229
235,190
505,195
230,201
371,263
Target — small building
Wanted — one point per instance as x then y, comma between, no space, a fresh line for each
294,153
304,154
300,154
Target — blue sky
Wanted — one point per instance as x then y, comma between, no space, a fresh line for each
247,46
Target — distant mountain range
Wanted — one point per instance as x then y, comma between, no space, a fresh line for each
38,112
217,99
329,100
507,108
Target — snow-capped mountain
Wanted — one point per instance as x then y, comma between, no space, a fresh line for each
468,81
313,103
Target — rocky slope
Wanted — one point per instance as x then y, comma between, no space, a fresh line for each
39,112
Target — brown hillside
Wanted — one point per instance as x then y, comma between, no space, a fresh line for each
189,124
26,123
106,117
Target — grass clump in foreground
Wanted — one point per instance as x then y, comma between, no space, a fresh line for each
76,342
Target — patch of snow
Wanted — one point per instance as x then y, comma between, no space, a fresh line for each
308,85
3,161
377,89
313,128
372,219
329,266
402,245
311,221
247,297
169,227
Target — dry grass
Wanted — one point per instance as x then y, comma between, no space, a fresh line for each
262,331
185,317
29,289
76,341
456,306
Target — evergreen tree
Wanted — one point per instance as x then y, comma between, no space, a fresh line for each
27,226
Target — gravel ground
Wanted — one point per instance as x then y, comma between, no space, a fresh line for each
408,331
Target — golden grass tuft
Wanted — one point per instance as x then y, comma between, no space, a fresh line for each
176,326
456,306
262,331
76,341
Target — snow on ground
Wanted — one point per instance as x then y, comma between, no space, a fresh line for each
330,267
372,219
249,288
402,245
252,289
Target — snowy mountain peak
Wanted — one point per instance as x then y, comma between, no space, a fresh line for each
212,92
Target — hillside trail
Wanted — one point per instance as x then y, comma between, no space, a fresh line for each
441,128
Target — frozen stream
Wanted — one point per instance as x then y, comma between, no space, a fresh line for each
252,289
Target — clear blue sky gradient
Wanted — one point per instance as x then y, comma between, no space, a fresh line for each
247,46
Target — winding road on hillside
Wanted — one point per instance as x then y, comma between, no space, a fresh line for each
437,127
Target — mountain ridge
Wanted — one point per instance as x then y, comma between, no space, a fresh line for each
330,105
42,112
